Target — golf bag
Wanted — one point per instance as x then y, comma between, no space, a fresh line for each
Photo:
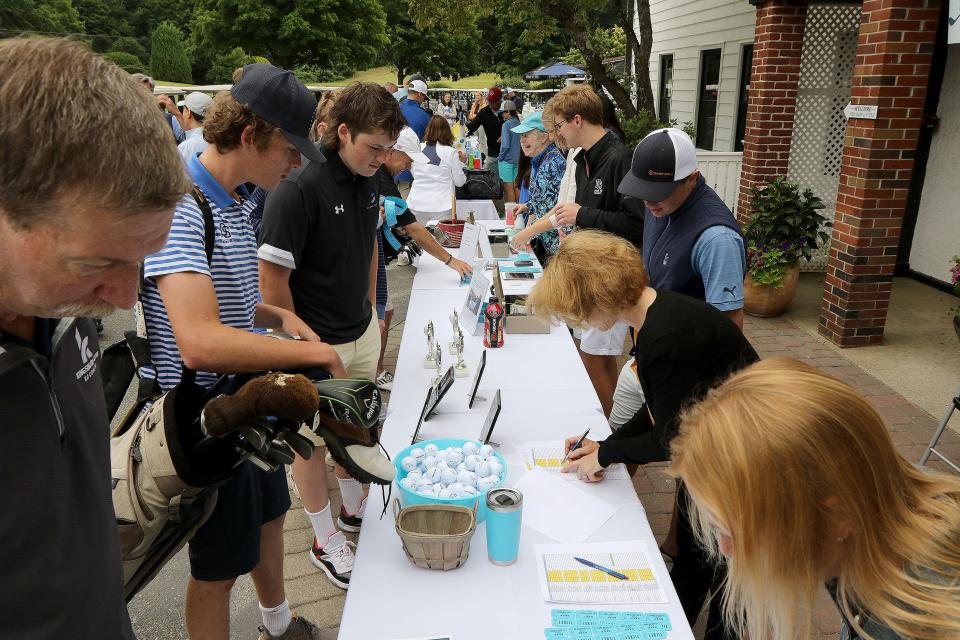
169,460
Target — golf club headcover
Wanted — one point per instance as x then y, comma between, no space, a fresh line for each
285,396
350,400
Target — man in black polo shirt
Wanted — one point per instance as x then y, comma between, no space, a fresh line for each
318,258
601,165
72,236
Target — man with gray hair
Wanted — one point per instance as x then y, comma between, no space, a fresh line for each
72,237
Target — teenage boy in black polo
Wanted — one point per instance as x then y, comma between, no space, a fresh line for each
318,258
578,115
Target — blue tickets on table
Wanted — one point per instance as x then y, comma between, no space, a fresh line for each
584,624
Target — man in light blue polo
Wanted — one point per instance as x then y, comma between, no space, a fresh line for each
417,119
195,108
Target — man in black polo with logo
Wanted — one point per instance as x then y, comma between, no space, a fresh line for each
72,237
488,117
318,258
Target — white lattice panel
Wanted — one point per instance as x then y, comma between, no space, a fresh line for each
826,69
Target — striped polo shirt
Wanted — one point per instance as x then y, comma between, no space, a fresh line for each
233,268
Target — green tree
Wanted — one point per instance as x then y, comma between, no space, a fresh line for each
126,61
578,19
105,21
433,53
131,45
332,34
168,54
43,16
224,65
507,47
608,43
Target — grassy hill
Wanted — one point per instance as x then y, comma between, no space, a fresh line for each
387,74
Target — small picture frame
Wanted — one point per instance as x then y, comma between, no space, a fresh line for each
475,385
491,420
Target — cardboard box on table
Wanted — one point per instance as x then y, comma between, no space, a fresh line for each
516,323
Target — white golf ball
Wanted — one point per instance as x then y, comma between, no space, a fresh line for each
417,454
472,461
424,484
486,451
495,467
456,489
437,488
442,464
445,493
431,449
441,456
433,475
470,447
408,463
485,484
448,476
408,483
468,491
462,467
415,475
429,462
467,478
454,457
483,469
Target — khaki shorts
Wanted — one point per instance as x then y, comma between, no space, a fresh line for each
359,359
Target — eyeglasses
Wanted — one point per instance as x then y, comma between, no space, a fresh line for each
558,124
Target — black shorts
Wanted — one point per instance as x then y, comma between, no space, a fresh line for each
228,544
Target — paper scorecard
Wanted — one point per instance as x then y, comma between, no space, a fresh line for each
560,509
548,456
564,579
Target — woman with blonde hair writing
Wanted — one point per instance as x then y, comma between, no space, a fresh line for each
684,346
795,480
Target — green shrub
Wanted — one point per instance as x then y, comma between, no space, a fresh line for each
221,71
636,129
315,74
126,61
513,81
168,54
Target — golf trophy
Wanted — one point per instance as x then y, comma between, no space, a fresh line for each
431,360
439,371
455,323
460,368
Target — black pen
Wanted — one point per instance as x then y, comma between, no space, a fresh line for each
576,445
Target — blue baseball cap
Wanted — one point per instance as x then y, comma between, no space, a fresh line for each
533,122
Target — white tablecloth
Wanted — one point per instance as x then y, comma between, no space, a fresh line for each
546,395
482,209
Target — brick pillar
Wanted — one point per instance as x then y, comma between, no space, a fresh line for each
772,99
894,51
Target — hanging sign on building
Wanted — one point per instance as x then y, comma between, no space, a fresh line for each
862,111
953,22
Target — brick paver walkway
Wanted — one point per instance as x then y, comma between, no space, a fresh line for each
312,595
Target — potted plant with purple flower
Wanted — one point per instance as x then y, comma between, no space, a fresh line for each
785,226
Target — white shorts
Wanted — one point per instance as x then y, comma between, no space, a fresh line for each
603,343
627,397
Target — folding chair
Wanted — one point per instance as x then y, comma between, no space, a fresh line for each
953,406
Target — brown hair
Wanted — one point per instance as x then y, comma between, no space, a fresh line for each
594,275
225,121
76,125
438,132
364,107
578,100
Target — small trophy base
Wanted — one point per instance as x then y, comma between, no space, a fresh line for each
429,363
461,371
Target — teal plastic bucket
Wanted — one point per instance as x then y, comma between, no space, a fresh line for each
408,497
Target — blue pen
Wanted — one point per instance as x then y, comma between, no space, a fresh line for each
615,574
576,445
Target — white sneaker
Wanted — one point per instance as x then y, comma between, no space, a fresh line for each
385,381
335,559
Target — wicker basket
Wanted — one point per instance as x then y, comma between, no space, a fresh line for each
435,536
452,232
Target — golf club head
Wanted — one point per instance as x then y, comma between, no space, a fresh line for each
280,453
302,446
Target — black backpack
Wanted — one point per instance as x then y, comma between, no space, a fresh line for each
480,185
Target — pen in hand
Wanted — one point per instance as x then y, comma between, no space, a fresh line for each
576,445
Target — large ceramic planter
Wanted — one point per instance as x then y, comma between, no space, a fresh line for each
765,301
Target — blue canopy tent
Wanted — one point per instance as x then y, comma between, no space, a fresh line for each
555,70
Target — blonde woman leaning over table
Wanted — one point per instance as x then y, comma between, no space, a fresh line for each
795,480
684,346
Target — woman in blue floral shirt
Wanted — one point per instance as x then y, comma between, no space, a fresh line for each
548,166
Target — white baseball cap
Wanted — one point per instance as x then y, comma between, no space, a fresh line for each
409,143
197,102
417,85
661,162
